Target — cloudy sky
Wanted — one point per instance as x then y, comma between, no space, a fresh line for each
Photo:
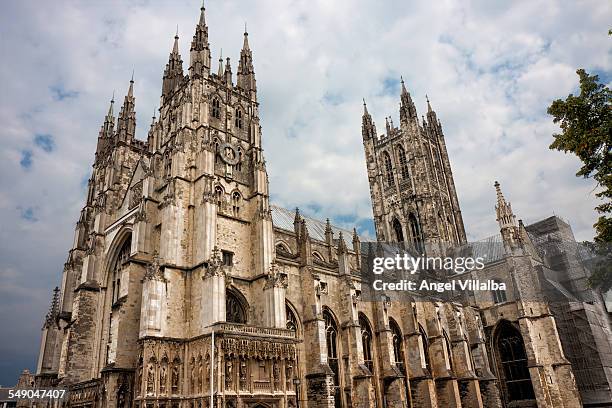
490,70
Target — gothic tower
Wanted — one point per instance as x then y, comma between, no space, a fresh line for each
411,183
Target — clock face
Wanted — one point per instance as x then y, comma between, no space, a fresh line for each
228,153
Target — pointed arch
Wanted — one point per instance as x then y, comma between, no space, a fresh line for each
332,342
367,339
398,345
416,236
403,162
425,344
388,168
236,306
398,230
511,363
293,321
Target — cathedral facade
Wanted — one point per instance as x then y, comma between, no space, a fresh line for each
186,288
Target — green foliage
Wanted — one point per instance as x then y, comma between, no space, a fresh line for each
586,131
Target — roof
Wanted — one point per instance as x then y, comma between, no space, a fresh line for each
283,218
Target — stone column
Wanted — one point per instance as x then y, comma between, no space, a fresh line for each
213,291
274,296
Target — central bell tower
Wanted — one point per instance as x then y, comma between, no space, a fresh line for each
413,194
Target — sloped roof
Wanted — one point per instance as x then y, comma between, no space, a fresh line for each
283,218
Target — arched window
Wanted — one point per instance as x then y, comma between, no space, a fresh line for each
499,296
236,203
282,248
403,163
415,233
292,322
122,257
397,228
239,163
398,352
366,342
512,363
425,342
235,309
318,256
388,168
331,337
219,196
449,351
216,108
238,118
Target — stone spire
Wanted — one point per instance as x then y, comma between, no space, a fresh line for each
53,309
126,122
173,74
246,72
431,114
407,108
506,219
199,52
228,72
329,234
368,129
220,71
106,131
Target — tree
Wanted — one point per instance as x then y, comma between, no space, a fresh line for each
586,131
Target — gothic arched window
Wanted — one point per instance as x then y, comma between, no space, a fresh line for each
122,257
403,163
512,363
239,163
235,309
219,196
216,108
398,352
238,118
397,228
499,296
449,351
415,233
292,322
331,337
236,204
366,342
388,168
425,342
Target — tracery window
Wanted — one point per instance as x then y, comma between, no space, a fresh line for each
122,257
292,323
512,363
219,196
388,168
235,311
366,342
415,233
239,163
216,108
331,337
403,163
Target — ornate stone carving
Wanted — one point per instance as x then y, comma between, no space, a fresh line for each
276,278
214,265
154,271
135,195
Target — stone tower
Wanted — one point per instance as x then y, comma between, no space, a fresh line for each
411,183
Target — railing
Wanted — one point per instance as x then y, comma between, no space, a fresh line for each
253,330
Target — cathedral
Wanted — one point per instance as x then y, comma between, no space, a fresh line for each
186,288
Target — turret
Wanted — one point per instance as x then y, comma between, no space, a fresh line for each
407,108
507,220
126,122
106,131
228,73
368,128
199,53
173,74
246,72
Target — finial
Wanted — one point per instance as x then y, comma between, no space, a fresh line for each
154,109
132,80
176,35
202,7
401,79
245,29
428,105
